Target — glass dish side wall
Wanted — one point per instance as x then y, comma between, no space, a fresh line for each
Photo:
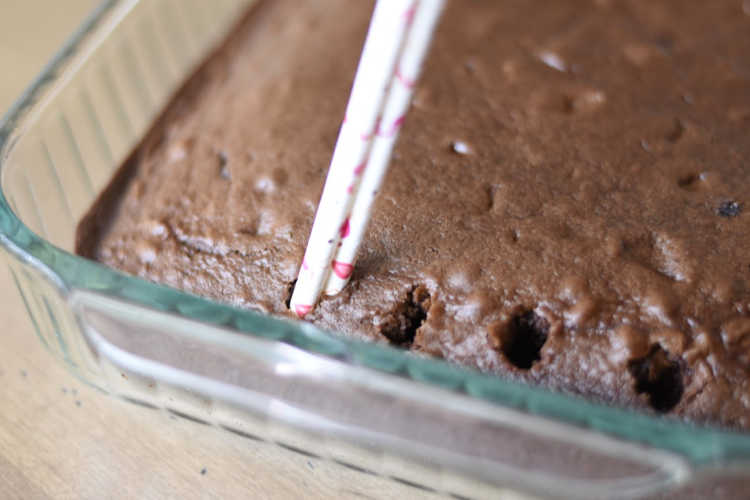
65,138
361,404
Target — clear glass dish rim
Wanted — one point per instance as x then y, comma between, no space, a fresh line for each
701,445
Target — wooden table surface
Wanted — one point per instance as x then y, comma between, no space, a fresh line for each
60,439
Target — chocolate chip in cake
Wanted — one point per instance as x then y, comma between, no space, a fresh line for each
289,291
729,209
523,339
658,375
224,166
400,326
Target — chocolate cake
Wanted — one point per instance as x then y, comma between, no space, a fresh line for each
566,203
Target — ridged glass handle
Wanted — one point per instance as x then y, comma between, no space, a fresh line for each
350,414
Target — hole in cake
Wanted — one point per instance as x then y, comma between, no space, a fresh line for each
401,325
568,105
688,181
523,339
289,291
658,375
489,191
223,160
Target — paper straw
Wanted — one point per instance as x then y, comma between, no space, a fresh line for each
383,44
396,106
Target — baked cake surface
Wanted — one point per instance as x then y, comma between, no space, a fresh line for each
566,203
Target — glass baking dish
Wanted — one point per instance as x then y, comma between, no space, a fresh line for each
370,407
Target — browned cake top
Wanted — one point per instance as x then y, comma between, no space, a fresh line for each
566,203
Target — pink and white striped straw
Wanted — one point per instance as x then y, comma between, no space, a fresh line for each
396,106
388,26
391,22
